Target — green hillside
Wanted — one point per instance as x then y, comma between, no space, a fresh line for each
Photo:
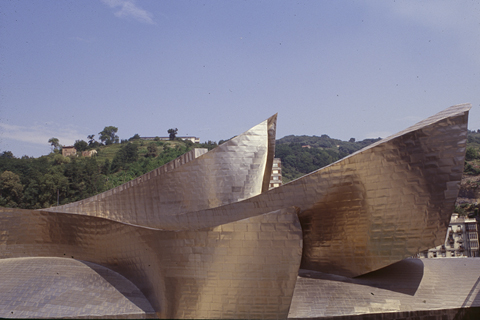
34,183
40,182
303,154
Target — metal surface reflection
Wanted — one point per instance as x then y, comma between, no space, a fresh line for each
236,170
48,287
203,238
409,289
377,206
243,269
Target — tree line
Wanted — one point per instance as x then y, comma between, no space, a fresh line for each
303,154
35,183
107,137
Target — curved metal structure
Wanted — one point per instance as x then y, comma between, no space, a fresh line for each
244,269
202,237
236,170
377,206
49,287
409,289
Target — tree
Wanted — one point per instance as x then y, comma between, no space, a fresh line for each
11,189
172,133
106,167
91,141
81,145
211,144
131,152
127,154
58,159
7,154
54,142
108,135
136,136
152,150
51,184
471,154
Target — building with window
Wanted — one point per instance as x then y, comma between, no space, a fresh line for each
68,151
276,177
202,237
461,240
192,139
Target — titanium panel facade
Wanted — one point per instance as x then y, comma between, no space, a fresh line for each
61,287
377,206
203,238
411,286
244,269
236,170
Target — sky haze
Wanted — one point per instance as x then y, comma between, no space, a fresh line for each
213,69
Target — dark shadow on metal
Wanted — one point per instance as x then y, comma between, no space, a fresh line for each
118,282
468,302
443,314
402,277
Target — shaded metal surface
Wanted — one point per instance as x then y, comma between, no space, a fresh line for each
58,287
243,269
236,170
411,285
186,238
437,314
377,206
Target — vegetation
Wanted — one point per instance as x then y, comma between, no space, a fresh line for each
35,182
303,154
109,135
152,150
472,154
81,145
91,141
469,195
54,142
172,133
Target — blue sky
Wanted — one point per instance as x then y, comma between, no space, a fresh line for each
213,69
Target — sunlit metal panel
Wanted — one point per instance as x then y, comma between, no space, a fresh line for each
236,170
47,287
408,289
377,206
244,269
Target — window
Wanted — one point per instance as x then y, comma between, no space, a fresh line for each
472,227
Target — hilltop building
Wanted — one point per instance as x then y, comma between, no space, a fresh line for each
89,153
72,151
186,138
68,151
217,244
